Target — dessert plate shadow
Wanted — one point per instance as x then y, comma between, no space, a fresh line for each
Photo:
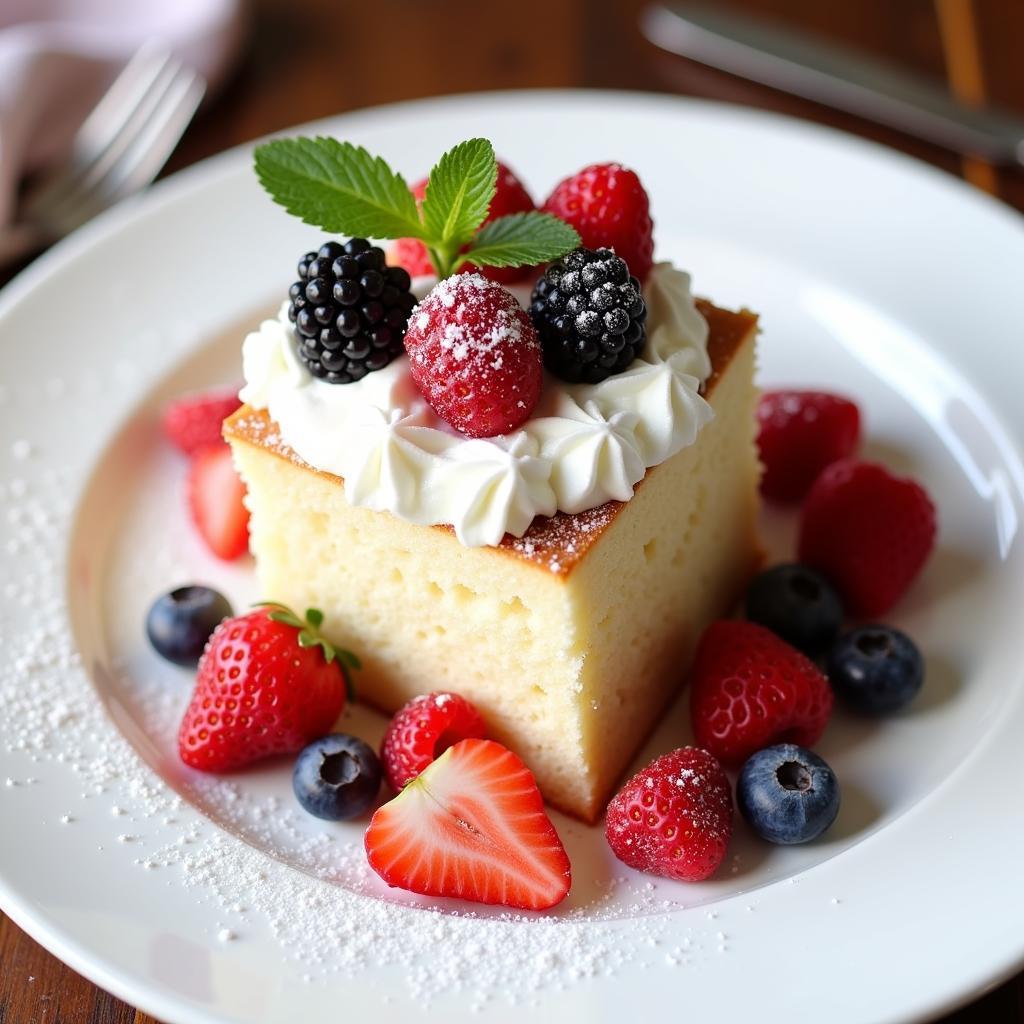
206,900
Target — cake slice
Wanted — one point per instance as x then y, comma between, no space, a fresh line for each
572,639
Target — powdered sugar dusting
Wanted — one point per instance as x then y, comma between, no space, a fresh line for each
257,862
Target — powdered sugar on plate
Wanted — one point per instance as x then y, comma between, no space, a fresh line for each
251,855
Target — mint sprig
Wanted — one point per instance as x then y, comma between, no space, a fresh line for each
337,187
459,191
521,239
343,189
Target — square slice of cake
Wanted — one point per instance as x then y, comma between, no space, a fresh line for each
572,639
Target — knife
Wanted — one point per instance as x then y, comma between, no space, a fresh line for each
803,65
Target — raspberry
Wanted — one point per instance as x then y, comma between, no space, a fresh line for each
869,532
608,206
590,316
350,310
423,730
750,689
510,196
474,354
194,421
674,818
411,254
802,432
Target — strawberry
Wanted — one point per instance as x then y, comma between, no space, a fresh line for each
423,730
215,499
474,353
802,432
510,196
472,826
674,818
750,689
267,683
609,207
194,421
869,532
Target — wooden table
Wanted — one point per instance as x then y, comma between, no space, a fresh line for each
340,55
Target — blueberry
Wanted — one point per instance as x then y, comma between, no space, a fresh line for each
787,794
798,604
875,669
337,777
179,623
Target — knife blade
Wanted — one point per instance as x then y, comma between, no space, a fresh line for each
803,65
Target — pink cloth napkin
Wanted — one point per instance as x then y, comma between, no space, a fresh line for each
58,56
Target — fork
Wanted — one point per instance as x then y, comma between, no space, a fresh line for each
118,150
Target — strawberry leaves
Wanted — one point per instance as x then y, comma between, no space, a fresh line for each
309,636
343,189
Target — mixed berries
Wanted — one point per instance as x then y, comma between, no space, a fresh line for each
267,683
349,309
179,623
875,669
798,604
423,730
193,422
799,434
474,354
868,531
471,826
465,818
590,315
674,818
214,492
468,821
609,207
749,689
787,794
337,777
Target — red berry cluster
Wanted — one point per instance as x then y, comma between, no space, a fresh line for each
476,360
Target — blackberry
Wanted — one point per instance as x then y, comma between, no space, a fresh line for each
350,310
590,315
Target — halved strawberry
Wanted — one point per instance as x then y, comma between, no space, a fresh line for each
471,826
215,493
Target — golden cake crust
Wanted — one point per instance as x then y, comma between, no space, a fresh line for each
557,543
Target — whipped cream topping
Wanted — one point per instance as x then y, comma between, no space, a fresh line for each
584,445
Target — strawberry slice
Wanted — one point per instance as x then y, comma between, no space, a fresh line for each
215,493
472,826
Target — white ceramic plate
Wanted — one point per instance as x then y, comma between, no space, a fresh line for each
214,900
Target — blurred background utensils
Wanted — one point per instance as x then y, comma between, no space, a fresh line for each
798,63
57,59
119,149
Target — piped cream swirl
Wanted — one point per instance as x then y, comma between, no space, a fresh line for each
584,445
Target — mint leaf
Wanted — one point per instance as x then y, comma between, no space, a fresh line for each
521,240
459,191
338,187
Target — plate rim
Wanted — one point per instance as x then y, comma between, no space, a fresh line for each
198,177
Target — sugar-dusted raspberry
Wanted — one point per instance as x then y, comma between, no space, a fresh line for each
474,354
423,730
